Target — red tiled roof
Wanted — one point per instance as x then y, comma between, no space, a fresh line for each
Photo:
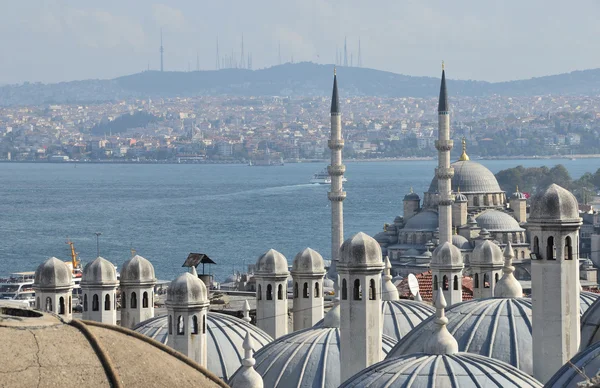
426,290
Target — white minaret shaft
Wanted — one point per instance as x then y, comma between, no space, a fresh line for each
336,171
444,172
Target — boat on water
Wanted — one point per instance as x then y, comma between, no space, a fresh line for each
323,178
18,287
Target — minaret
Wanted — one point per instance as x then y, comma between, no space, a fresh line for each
553,225
271,276
444,172
336,171
307,275
361,319
162,50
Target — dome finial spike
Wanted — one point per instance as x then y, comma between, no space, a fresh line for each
418,297
464,157
246,310
193,271
441,341
443,65
334,70
411,190
248,377
508,286
517,188
388,289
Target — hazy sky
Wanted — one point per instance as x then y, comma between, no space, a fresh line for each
52,41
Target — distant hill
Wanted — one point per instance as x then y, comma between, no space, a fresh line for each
301,79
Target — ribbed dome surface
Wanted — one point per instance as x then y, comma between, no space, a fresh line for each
424,220
306,358
99,272
53,274
554,203
446,254
587,360
187,289
487,253
498,221
461,242
586,300
470,177
403,315
455,370
225,337
137,270
494,327
272,262
590,320
308,261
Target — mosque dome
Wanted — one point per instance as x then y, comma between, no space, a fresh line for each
554,203
308,357
272,262
569,375
487,253
382,238
446,254
461,242
518,195
423,220
225,337
53,274
360,250
99,272
472,324
586,300
137,270
590,320
308,261
42,348
496,220
187,289
446,370
402,315
412,196
470,177
460,198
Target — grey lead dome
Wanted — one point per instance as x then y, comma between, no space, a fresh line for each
359,250
99,272
272,262
187,289
470,177
487,253
53,274
308,261
554,204
137,270
495,220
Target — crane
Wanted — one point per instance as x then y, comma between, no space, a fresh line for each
74,259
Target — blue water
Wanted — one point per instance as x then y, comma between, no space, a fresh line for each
233,213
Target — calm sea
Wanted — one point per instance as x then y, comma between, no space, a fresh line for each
233,213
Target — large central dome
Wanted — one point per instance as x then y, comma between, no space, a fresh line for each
470,177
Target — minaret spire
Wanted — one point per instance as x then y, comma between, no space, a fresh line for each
508,286
336,170
443,103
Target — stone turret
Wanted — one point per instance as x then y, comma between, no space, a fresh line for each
459,210
486,266
388,289
508,286
53,286
307,274
412,204
99,287
271,293
137,291
518,204
446,268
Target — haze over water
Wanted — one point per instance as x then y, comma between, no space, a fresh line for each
233,213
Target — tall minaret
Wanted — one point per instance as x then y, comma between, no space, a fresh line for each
162,50
336,171
444,172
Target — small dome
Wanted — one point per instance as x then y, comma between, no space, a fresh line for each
422,370
470,177
99,272
53,274
41,348
137,270
224,335
187,290
360,250
487,253
272,262
426,220
398,220
308,261
518,195
403,315
412,252
461,242
498,221
382,238
308,358
472,322
460,198
412,196
570,376
446,254
553,204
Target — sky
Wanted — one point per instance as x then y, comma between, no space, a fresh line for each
65,40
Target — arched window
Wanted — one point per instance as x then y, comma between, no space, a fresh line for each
95,303
475,201
496,278
486,200
269,292
305,290
61,305
259,293
295,289
180,325
550,249
280,292
37,303
170,324
568,249
107,302
455,285
516,253
435,283
70,304
344,290
356,291
204,324
84,302
317,294
123,300
445,283
476,280
486,281
536,245
522,255
372,289
194,324
133,300
115,300
145,300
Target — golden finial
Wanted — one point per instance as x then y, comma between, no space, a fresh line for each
442,65
464,156
334,70
517,188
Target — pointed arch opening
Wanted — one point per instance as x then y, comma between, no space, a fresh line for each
536,245
317,291
85,303
344,290
445,283
48,304
259,293
486,280
107,302
194,324
550,249
145,300
204,324
180,325
123,300
496,277
372,290
356,291
455,284
269,292
295,289
170,324
568,248
37,303
61,306
70,304
476,280
133,300
280,292
305,290
95,303
435,282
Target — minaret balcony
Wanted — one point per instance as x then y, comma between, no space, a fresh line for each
336,196
335,145
444,173
336,170
444,145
